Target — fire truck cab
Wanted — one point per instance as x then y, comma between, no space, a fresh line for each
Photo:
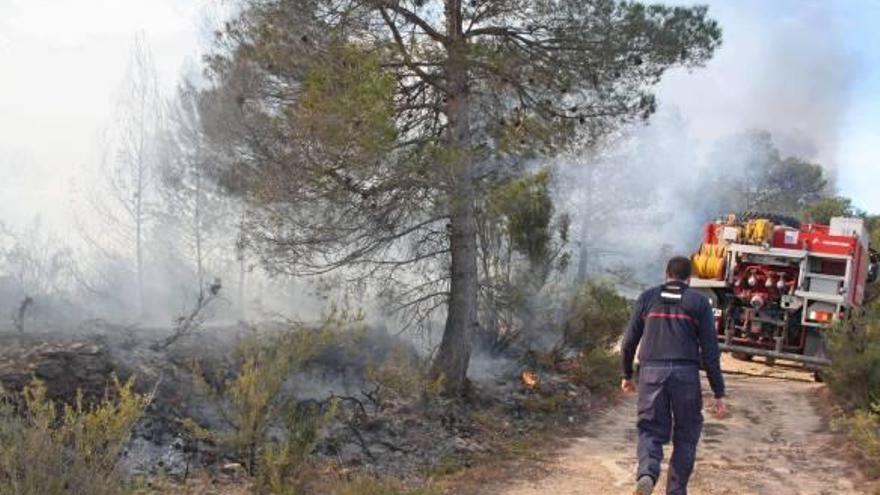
777,284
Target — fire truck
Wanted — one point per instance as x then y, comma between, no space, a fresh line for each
777,284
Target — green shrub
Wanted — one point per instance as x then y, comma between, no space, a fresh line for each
863,430
550,403
595,321
403,375
596,317
854,378
280,462
253,401
364,485
597,369
48,449
854,346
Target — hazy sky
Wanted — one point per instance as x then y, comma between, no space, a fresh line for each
61,64
808,70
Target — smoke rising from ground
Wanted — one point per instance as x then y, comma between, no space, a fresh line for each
785,67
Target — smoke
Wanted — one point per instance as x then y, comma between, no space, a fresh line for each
784,68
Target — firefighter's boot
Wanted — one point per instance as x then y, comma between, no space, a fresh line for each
644,486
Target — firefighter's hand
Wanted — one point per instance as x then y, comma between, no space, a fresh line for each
719,408
628,386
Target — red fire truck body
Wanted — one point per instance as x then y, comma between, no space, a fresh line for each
777,285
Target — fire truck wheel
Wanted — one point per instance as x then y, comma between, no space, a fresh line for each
817,377
741,356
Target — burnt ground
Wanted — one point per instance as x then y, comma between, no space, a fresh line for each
777,441
391,437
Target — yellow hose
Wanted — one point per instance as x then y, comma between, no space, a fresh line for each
758,231
709,263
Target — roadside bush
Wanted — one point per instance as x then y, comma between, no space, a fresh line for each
854,346
596,317
598,370
863,430
595,321
48,449
854,378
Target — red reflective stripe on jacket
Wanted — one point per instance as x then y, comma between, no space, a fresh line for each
673,316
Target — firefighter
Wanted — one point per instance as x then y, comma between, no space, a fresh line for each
676,328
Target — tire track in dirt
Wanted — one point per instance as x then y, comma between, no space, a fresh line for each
775,442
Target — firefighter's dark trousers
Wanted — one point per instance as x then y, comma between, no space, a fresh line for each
670,404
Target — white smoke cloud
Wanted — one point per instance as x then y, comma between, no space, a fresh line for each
784,67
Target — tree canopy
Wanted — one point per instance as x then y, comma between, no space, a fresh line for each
751,174
363,132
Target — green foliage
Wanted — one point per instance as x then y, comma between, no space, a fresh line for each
364,485
74,449
872,223
254,402
863,430
854,378
528,136
280,462
595,320
526,208
875,236
837,206
331,114
522,242
792,185
347,103
545,404
596,317
403,375
752,175
252,393
854,346
598,370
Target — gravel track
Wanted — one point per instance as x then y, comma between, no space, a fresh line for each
775,442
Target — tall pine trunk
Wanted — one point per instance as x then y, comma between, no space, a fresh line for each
453,356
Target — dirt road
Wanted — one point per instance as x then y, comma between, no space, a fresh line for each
774,443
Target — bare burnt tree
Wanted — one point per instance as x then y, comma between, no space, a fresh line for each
196,316
362,131
37,260
121,200
200,216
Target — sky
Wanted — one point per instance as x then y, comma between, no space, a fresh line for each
61,65
807,70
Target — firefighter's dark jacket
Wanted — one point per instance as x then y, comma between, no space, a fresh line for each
674,324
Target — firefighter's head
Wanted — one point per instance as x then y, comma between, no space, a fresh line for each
678,268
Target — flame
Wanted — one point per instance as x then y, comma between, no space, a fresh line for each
529,379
